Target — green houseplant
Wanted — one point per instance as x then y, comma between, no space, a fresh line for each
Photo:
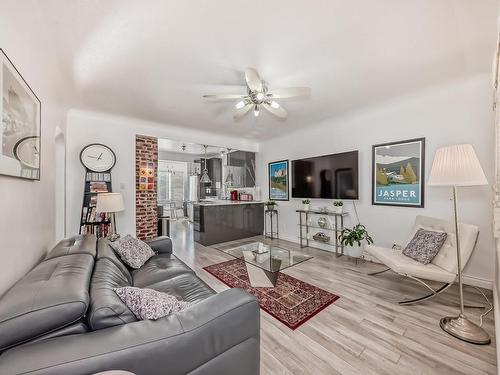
306,204
354,238
338,206
270,204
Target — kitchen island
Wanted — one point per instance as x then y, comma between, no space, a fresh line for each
222,221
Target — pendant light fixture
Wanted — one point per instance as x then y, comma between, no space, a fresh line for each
205,178
229,178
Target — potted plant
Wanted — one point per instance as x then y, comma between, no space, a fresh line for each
354,238
270,205
306,204
338,206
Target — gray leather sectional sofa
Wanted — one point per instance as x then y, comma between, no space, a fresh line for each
63,317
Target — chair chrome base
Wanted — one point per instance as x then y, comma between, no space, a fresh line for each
463,329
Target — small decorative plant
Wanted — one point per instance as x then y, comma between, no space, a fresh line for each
354,236
338,206
270,204
306,204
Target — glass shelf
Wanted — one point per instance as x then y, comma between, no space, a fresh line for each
318,227
319,212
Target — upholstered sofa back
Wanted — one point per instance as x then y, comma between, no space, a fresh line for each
106,308
52,296
446,258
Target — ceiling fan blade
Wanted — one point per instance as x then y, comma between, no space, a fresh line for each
240,112
253,79
290,92
225,96
276,109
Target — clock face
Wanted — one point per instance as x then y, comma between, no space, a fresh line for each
97,157
27,151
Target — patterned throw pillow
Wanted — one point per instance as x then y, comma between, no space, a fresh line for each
150,304
425,245
133,252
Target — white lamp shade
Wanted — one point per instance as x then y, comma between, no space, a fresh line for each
456,165
109,202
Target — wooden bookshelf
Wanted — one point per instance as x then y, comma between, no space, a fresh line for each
91,221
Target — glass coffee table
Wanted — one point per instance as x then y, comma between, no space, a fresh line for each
266,260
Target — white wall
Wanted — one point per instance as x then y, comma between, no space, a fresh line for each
457,113
27,209
119,134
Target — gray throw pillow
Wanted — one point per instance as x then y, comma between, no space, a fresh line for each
150,304
133,252
425,245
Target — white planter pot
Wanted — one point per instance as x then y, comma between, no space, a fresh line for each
338,209
306,207
355,251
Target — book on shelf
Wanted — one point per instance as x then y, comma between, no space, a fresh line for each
98,187
93,176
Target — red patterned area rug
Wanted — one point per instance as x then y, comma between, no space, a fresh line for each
291,301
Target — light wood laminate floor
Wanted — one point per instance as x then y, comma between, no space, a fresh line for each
365,331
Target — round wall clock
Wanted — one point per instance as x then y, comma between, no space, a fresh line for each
97,157
27,151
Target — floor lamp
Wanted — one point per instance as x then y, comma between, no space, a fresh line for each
455,166
110,203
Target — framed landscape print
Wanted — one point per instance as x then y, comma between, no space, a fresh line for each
398,173
278,180
20,110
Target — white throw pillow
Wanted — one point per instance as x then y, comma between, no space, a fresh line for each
150,304
133,252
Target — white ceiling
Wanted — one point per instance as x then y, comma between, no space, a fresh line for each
190,148
155,59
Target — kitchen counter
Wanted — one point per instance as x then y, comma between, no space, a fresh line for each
222,221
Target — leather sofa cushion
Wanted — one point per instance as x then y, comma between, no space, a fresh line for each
106,308
52,295
106,251
81,244
159,268
186,287
161,244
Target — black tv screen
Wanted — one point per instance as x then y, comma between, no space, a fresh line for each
330,177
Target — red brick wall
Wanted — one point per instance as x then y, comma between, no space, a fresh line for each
146,214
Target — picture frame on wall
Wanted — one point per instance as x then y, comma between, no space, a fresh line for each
278,180
398,173
20,130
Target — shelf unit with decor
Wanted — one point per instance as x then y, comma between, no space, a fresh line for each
91,221
335,228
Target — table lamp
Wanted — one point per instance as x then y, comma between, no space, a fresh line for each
456,166
110,203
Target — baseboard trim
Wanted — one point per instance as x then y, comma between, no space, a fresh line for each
467,280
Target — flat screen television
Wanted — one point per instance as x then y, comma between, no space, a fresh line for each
332,176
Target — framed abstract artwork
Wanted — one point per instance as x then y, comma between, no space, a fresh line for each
20,133
278,180
398,173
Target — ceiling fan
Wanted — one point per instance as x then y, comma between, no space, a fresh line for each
259,96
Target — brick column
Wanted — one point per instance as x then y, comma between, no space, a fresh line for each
146,214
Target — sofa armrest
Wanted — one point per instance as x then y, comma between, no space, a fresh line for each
161,245
217,335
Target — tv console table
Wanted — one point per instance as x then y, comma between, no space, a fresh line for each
335,227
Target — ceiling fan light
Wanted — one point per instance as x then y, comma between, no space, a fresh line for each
240,104
256,111
260,96
275,104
